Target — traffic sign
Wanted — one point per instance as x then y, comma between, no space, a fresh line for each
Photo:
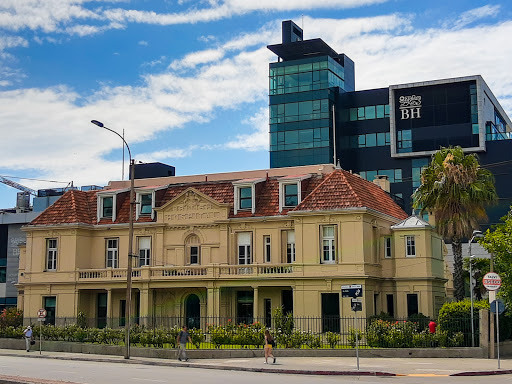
492,281
498,303
41,313
354,290
357,305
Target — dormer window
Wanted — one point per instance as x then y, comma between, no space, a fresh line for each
245,197
290,191
106,206
291,195
146,204
245,194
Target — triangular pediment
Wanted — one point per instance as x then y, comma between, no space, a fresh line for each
192,206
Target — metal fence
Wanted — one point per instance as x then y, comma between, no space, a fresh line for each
289,332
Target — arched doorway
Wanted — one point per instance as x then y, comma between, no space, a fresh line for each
192,311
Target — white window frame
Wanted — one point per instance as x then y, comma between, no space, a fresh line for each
388,247
144,251
100,200
330,241
290,246
238,185
267,249
189,244
244,242
51,254
288,181
139,204
410,246
112,253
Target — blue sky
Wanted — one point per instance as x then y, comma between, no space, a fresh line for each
187,80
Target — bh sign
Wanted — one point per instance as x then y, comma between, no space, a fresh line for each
410,107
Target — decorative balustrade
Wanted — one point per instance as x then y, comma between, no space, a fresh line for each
191,272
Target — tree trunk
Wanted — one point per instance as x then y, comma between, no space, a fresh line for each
458,279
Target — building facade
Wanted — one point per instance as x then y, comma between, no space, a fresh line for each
235,245
316,116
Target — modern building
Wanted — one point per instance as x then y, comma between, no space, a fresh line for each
316,116
233,245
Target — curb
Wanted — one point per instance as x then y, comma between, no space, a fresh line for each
484,373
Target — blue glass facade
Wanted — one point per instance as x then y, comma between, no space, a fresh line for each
315,111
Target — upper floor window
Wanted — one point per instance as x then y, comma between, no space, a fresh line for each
107,206
290,247
245,194
328,244
290,190
267,249
193,249
51,254
144,251
291,195
244,248
146,204
387,247
245,197
112,253
410,246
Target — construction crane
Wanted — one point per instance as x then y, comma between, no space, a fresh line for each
16,185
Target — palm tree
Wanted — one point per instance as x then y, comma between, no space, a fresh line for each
456,190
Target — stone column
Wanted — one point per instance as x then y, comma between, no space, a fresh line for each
109,307
255,311
145,305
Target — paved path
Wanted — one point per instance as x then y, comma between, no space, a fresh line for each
302,365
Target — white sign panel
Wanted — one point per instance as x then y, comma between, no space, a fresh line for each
492,281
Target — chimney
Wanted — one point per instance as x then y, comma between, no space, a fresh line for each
383,182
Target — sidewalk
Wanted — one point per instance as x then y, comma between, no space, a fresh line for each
307,365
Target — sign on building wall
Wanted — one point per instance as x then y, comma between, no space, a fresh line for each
410,107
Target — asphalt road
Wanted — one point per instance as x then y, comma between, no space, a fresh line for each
88,372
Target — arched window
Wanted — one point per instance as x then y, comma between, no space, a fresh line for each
193,249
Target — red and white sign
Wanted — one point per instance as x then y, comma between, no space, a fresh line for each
41,313
492,281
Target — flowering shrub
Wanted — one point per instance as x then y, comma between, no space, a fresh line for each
333,339
241,334
11,317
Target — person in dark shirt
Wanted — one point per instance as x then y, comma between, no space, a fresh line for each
182,339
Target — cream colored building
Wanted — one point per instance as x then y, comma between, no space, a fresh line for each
233,245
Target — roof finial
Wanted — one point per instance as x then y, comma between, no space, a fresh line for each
338,166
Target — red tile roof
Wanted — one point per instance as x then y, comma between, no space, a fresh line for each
324,192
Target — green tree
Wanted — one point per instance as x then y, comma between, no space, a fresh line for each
498,241
480,267
456,190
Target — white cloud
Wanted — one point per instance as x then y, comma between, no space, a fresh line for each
193,59
256,140
168,154
143,43
473,15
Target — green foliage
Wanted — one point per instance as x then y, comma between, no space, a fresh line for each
81,320
11,332
283,322
11,317
352,333
420,320
333,339
391,334
456,317
456,190
480,266
498,241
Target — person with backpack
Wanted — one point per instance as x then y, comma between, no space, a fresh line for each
182,339
269,345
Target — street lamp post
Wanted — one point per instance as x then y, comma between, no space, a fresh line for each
476,234
130,243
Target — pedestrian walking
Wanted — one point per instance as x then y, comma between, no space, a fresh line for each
182,339
268,348
28,337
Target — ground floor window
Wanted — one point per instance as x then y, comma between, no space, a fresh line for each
412,304
101,310
287,301
268,313
390,302
50,304
192,311
331,312
244,307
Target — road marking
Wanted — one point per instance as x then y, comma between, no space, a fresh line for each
424,375
156,381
